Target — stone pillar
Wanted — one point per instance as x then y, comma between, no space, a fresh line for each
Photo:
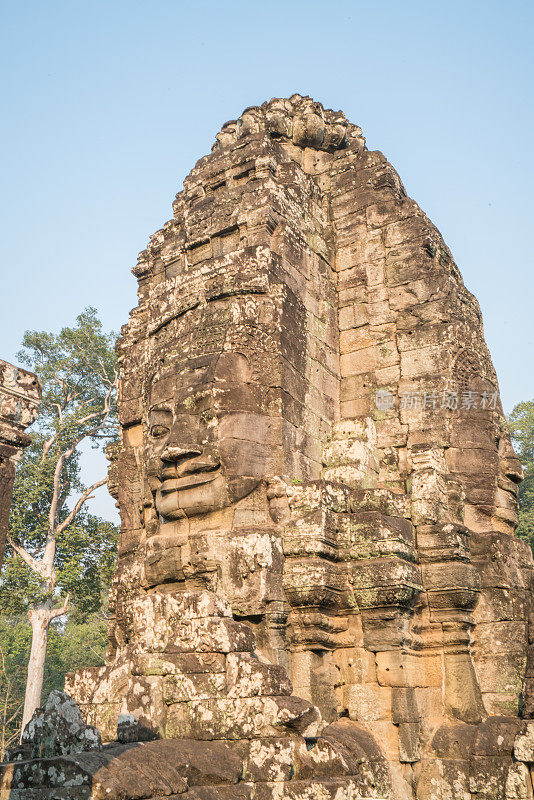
20,393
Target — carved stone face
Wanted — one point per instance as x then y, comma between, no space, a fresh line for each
510,476
211,435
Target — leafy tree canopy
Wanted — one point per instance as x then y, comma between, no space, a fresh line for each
521,422
77,369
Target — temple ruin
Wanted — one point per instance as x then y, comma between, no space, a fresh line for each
318,595
20,395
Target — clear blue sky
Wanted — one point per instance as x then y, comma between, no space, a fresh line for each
107,106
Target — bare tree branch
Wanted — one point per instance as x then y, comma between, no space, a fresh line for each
79,503
33,563
52,514
47,445
50,547
105,410
58,612
59,412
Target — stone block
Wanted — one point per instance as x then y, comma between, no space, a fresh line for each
249,677
145,702
488,776
376,534
394,668
504,674
242,718
174,633
270,760
368,702
104,716
518,784
409,742
356,665
193,686
463,700
385,582
524,743
505,637
502,703
436,776
404,706
178,663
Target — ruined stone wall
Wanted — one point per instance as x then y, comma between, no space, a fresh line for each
317,491
20,394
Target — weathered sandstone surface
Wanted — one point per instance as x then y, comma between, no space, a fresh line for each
319,595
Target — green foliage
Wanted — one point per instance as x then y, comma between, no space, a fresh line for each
70,647
521,422
85,549
85,562
85,559
77,369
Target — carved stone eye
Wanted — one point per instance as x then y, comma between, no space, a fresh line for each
157,431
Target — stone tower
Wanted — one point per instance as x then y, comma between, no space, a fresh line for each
317,568
20,395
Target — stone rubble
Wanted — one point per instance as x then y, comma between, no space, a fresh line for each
56,729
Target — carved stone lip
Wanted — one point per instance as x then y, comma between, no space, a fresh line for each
508,485
188,481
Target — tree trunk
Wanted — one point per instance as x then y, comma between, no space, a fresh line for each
39,617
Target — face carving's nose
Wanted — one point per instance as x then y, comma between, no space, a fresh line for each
208,463
512,469
509,462
175,453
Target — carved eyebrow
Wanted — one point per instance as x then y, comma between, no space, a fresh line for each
220,294
215,293
164,409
